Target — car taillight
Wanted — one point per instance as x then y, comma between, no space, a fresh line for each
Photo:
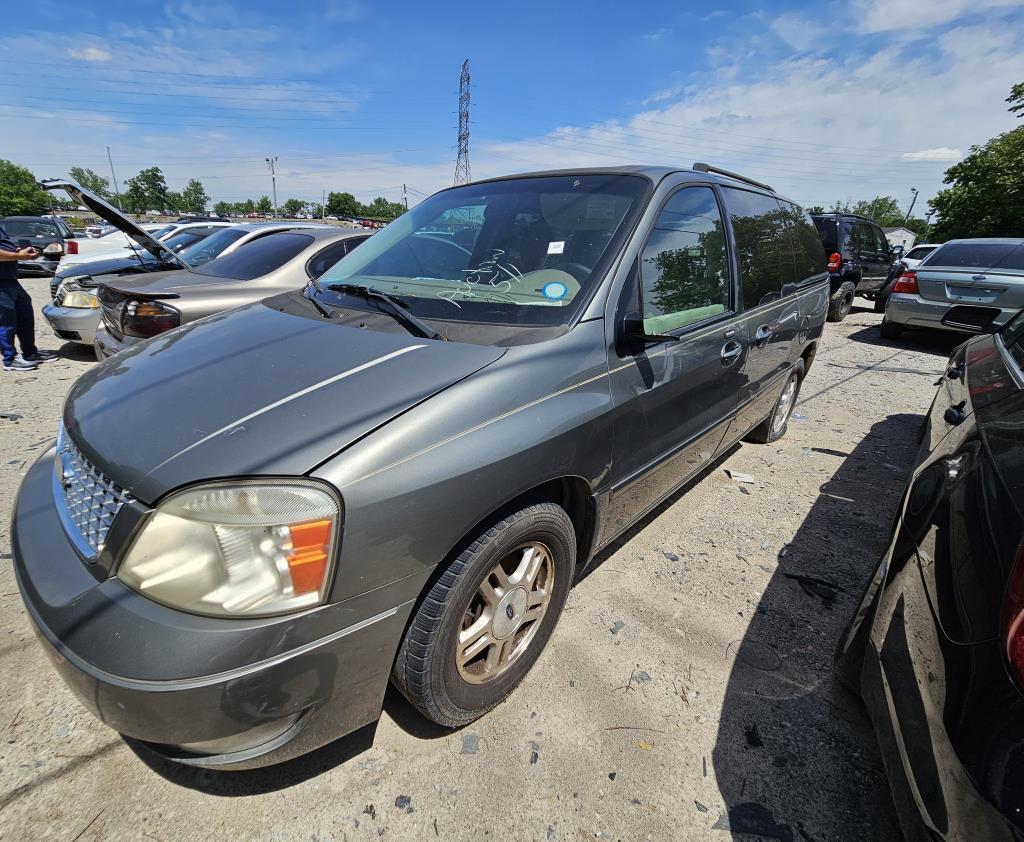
835,260
72,247
907,282
148,318
1013,618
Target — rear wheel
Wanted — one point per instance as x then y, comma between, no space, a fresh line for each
841,303
488,617
890,330
774,426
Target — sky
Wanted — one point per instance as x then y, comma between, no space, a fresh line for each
824,101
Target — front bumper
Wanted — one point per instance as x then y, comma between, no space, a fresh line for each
38,267
256,691
75,324
911,310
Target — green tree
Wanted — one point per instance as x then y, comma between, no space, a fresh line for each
381,208
93,182
19,191
263,205
146,191
173,202
224,208
193,197
986,193
815,209
294,206
884,210
343,204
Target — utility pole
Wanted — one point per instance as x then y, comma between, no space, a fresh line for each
910,210
273,179
462,161
323,207
117,191
405,197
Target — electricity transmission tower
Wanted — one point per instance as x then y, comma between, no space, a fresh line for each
462,161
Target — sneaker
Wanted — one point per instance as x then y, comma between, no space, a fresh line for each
42,357
18,364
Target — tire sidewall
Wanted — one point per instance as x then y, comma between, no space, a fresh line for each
550,526
798,370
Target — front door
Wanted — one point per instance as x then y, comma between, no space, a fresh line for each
675,398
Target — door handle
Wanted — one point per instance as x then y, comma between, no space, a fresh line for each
955,415
730,351
764,333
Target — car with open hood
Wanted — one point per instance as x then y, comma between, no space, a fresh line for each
251,523
278,260
74,309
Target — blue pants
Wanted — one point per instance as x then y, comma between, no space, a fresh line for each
16,320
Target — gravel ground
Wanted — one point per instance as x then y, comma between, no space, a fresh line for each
687,686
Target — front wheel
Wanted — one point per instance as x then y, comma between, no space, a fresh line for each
487,618
774,426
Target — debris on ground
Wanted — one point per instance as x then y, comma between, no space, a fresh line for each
403,802
738,477
670,556
642,677
470,743
617,626
700,806
822,589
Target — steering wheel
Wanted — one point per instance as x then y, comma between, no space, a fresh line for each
577,270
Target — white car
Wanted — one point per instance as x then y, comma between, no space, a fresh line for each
116,244
918,253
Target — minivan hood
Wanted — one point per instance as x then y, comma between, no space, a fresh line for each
113,216
254,391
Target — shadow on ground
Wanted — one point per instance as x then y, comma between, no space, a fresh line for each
795,757
922,341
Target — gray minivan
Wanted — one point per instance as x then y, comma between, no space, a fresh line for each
250,524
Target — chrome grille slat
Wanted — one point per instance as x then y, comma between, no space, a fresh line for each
87,499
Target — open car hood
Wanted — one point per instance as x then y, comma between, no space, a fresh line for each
114,217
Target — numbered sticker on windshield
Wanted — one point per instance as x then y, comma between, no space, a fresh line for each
556,247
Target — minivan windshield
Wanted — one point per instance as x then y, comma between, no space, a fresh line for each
518,251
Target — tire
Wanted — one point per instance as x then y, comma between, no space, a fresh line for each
773,428
841,302
427,670
890,330
880,302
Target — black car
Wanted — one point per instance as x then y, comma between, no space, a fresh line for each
859,257
936,648
51,236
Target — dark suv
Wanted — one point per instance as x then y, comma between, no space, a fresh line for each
859,257
251,523
51,236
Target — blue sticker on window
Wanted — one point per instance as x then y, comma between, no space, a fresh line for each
554,290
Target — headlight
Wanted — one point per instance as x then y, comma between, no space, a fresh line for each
53,248
244,549
80,298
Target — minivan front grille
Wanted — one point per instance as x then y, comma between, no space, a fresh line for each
86,499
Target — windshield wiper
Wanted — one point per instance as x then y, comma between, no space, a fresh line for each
393,306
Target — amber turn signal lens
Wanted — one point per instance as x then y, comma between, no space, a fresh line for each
308,560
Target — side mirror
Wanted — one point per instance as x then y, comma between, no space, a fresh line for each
633,332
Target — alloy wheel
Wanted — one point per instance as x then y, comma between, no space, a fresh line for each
504,614
785,404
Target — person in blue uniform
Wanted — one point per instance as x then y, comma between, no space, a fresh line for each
16,318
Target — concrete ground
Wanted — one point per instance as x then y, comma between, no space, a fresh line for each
686,688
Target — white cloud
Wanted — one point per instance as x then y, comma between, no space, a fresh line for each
941,153
799,32
913,15
657,34
90,54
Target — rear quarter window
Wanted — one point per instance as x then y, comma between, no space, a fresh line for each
808,254
827,233
919,253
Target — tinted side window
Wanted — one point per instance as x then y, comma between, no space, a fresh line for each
808,256
762,247
684,267
258,257
325,259
881,244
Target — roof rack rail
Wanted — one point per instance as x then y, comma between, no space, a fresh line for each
699,167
